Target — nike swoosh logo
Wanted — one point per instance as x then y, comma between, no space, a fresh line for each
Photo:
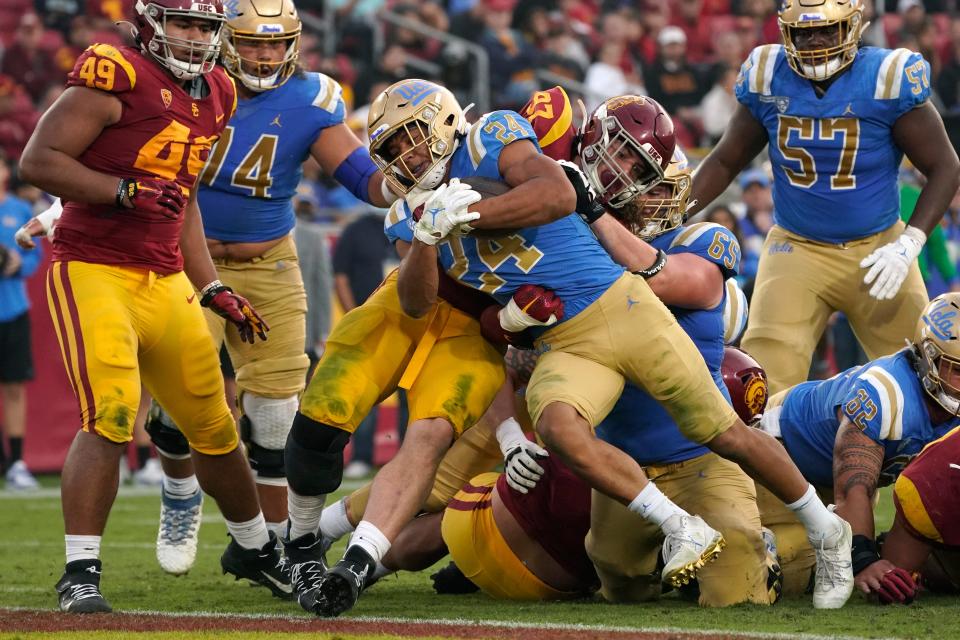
190,299
286,588
219,118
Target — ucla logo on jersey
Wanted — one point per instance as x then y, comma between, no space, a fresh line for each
782,102
940,320
415,91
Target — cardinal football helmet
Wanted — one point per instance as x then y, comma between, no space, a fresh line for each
429,116
199,56
625,147
258,21
664,206
937,343
820,64
747,383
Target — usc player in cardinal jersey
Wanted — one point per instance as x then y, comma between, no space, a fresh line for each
122,147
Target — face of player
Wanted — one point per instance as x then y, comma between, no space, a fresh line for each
950,376
816,38
632,164
260,56
184,28
409,143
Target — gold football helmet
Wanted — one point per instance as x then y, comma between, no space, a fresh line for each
937,343
662,208
258,21
823,62
432,123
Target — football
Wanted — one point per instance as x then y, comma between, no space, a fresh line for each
487,187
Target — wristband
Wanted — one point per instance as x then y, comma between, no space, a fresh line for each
865,553
656,267
210,290
126,189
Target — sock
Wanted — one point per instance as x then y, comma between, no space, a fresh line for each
82,547
651,505
334,523
143,454
304,512
371,540
811,511
279,528
181,488
16,448
251,534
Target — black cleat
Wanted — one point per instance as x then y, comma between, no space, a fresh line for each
266,566
79,588
340,587
307,559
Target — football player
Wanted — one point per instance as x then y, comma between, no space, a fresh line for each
837,119
588,354
122,147
284,115
856,431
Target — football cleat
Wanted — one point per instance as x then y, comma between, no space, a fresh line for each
19,477
151,475
306,556
265,566
833,578
179,531
690,544
79,588
340,587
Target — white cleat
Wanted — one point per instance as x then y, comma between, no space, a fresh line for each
179,531
151,475
19,477
833,580
690,544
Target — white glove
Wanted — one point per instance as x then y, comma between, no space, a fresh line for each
446,211
42,223
891,262
519,456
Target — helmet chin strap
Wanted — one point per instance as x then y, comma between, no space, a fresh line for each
949,403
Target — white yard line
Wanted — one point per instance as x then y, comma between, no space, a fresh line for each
127,491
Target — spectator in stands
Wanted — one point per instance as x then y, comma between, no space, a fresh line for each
948,84
731,51
606,77
16,362
873,34
913,15
719,104
412,42
688,15
653,18
677,85
79,37
17,117
763,16
757,217
561,52
512,59
358,268
29,64
59,14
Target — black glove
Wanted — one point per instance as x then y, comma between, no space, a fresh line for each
451,580
587,206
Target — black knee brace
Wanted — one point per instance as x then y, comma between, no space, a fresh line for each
164,434
314,457
268,463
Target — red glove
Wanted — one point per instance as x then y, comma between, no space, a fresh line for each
531,306
225,303
897,586
163,197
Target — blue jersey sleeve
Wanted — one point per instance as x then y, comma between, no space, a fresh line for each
756,77
874,403
398,223
713,243
914,84
487,138
330,108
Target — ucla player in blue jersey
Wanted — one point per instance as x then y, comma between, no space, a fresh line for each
284,115
856,432
614,327
838,119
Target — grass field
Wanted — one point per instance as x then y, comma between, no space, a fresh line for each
31,560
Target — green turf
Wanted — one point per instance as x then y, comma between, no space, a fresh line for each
31,560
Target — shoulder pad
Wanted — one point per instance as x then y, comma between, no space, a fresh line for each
691,233
757,70
103,67
329,97
888,391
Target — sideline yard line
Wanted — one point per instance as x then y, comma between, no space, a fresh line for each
493,624
36,544
128,491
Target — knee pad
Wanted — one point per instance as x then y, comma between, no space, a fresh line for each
165,435
313,457
264,427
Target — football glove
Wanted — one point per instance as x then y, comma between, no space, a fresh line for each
587,206
152,196
42,223
445,211
890,263
496,335
519,456
897,586
221,299
531,306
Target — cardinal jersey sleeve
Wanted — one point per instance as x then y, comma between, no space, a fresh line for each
103,67
550,114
